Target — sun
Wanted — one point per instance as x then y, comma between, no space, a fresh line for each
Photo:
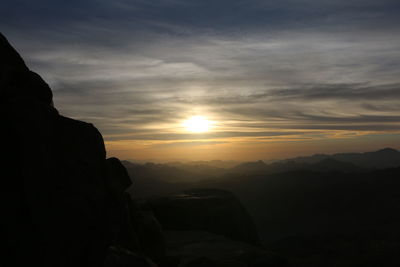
197,124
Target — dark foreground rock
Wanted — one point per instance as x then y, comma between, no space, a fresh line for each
61,202
54,196
209,227
212,210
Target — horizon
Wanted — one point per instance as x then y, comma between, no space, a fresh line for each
266,161
226,80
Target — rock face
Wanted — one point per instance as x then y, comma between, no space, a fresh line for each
209,227
62,202
55,194
212,210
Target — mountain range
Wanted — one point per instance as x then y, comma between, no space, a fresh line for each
322,210
196,171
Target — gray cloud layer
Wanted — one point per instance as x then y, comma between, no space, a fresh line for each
258,68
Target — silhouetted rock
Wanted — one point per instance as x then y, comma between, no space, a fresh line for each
212,210
57,193
121,180
16,80
121,224
62,203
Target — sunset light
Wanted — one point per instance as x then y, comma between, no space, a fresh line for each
197,124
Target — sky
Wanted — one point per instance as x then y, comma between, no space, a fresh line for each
276,79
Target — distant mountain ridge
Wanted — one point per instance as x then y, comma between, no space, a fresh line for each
200,170
169,177
342,162
380,159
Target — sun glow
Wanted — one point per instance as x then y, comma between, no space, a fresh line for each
197,124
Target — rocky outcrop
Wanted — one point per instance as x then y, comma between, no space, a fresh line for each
212,210
62,202
209,227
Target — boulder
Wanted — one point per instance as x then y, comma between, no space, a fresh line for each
213,210
120,181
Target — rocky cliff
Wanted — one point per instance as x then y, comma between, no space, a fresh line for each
62,202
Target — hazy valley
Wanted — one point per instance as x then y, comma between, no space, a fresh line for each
308,209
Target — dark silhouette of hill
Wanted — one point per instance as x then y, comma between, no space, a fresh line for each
346,162
308,194
324,213
201,168
251,167
323,165
220,164
330,164
381,159
154,179
190,172
329,210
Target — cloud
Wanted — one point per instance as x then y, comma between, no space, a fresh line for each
190,144
349,92
137,69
